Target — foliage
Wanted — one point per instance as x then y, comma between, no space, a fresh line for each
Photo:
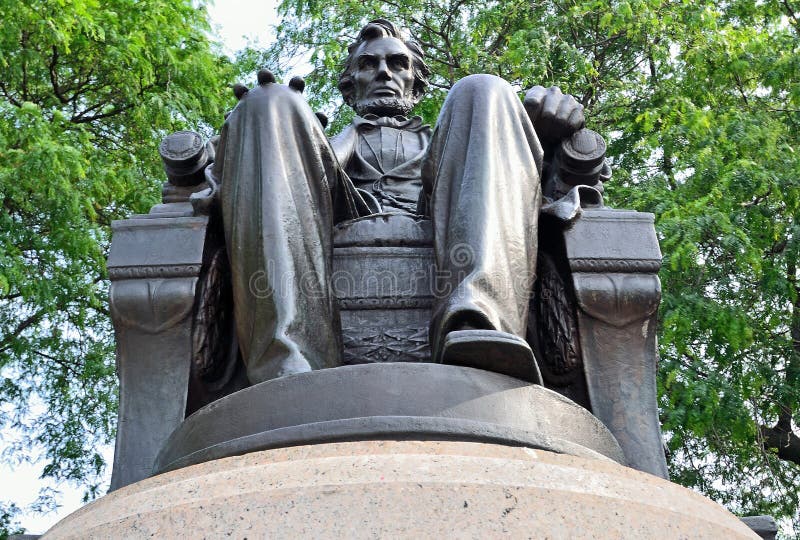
8,523
700,102
87,90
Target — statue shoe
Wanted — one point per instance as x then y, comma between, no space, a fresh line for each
491,350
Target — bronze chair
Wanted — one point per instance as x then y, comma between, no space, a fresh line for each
177,351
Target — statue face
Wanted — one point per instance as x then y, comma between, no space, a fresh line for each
383,77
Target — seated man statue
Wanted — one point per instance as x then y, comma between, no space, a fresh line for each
293,206
283,186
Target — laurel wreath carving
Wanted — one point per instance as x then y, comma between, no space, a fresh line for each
212,321
557,326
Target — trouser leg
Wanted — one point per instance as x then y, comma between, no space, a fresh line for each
278,180
482,177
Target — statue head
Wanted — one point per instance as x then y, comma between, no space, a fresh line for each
383,74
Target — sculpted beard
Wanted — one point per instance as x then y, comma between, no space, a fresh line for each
388,106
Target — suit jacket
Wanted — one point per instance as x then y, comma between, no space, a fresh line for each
393,177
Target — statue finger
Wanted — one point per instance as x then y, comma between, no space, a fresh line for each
239,90
551,104
297,84
577,119
565,109
535,94
265,77
533,101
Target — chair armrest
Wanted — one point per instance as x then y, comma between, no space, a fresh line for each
608,261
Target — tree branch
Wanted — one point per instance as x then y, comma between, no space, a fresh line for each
777,248
21,327
54,77
756,200
23,43
780,437
787,443
8,96
80,119
740,88
64,365
792,15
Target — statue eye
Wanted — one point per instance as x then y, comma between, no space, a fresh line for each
399,62
367,62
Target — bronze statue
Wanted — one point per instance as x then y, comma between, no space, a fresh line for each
283,186
525,273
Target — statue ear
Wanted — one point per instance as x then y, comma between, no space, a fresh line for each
346,88
417,92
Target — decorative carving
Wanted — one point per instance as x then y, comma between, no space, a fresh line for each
151,306
373,345
624,266
389,302
153,272
181,145
184,156
212,328
617,299
555,324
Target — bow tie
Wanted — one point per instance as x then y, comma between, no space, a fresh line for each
398,122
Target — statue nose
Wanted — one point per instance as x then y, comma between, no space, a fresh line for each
383,70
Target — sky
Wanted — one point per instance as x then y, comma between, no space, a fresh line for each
236,23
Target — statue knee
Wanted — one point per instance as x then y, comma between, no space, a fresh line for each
482,87
275,101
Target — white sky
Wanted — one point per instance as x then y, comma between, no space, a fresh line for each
236,22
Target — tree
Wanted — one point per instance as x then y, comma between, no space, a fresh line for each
87,90
700,102
8,525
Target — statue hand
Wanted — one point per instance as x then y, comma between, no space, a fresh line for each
265,77
555,115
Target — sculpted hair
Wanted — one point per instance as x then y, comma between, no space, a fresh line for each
376,29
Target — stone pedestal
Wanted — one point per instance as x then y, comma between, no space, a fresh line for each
397,450
403,489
